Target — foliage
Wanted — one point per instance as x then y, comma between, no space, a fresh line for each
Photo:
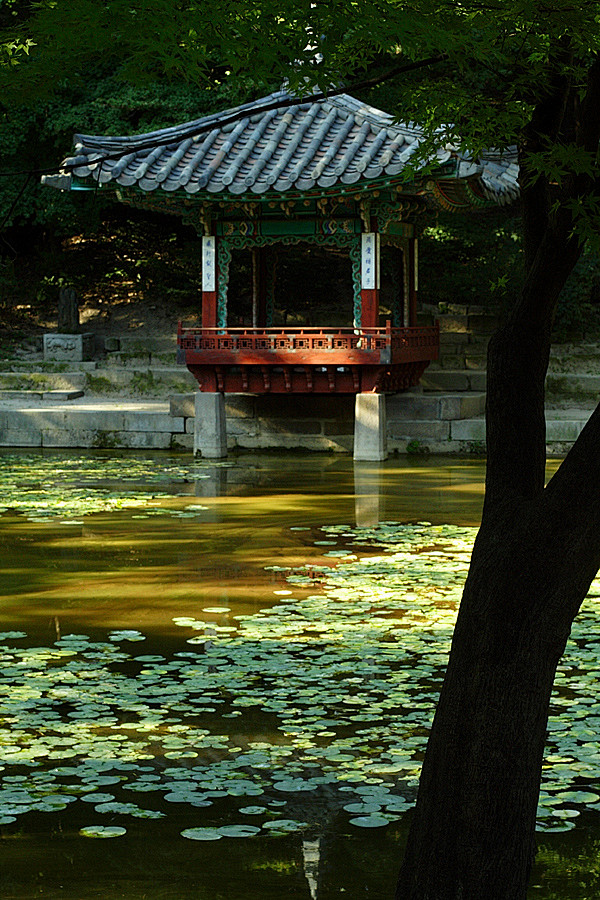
34,138
578,307
472,258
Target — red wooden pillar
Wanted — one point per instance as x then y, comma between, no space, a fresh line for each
209,282
369,280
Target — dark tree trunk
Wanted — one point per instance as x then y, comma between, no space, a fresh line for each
537,551
472,835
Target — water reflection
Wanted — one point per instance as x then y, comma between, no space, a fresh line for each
449,491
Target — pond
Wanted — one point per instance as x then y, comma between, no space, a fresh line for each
217,679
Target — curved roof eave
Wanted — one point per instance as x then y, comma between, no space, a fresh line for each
277,145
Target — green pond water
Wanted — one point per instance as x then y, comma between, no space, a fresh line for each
216,680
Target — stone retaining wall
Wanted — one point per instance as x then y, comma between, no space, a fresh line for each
415,422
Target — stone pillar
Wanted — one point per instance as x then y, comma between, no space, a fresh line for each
210,436
370,427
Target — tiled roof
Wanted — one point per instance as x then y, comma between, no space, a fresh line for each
259,148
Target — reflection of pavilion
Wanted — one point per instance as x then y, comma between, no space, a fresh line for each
276,176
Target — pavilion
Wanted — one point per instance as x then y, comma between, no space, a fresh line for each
332,175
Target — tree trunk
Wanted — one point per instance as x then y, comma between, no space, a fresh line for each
473,831
537,551
536,554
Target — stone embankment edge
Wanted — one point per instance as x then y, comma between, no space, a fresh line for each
169,425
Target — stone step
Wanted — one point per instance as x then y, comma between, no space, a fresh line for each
575,386
583,358
44,396
456,309
36,363
141,344
562,429
43,381
145,425
568,385
155,381
467,324
125,359
159,382
450,359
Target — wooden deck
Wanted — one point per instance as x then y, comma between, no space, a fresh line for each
307,360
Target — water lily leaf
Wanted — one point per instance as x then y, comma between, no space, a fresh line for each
285,826
371,821
202,834
102,831
555,826
97,797
578,796
240,831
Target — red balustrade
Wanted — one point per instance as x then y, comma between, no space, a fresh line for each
307,359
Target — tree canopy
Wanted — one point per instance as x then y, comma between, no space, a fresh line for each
471,73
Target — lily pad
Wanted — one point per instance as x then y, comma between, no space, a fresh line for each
372,821
202,834
102,831
239,831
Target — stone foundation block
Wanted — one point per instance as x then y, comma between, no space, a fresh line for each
72,437
182,442
335,429
468,430
239,405
20,437
420,430
464,406
153,422
563,429
69,347
454,323
289,426
242,426
478,381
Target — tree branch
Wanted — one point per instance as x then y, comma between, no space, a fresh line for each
283,103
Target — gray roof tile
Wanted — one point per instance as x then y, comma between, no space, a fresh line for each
310,144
